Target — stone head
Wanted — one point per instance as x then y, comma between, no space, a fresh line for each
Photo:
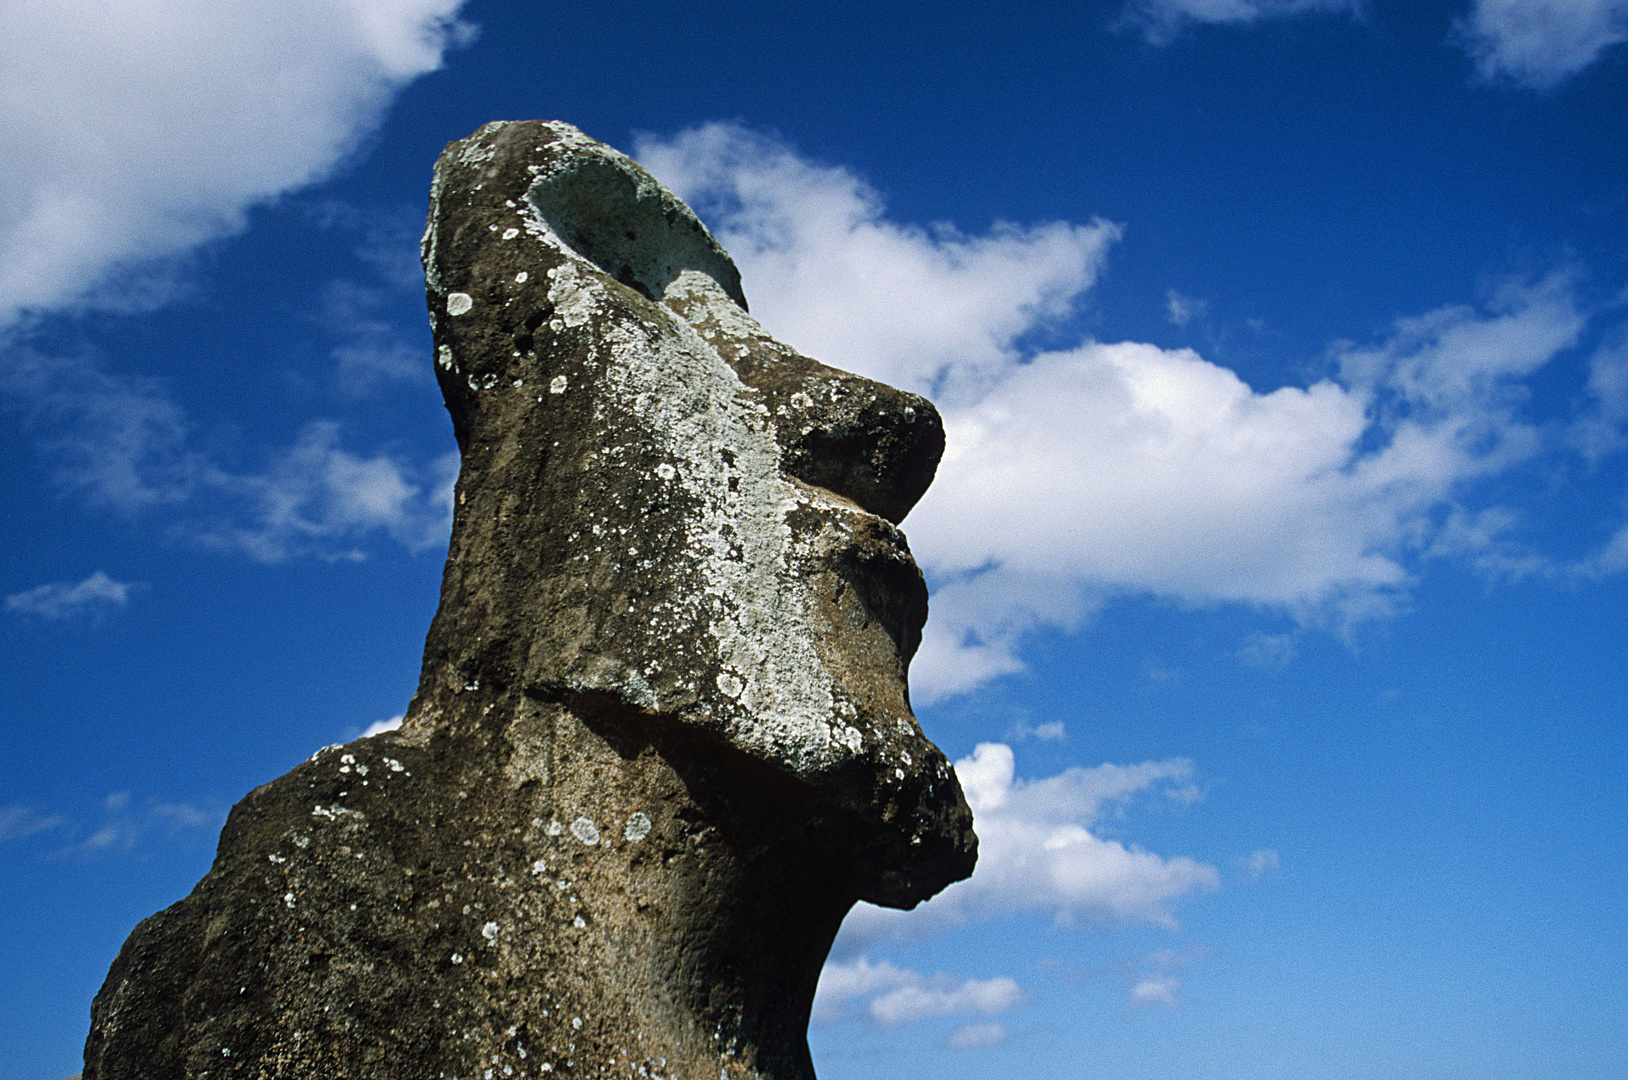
665,515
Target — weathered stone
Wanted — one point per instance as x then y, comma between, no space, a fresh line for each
662,740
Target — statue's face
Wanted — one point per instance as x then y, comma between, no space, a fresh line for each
710,539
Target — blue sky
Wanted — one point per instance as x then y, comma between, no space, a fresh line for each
1279,559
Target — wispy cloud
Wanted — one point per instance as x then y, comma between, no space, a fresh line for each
1123,468
1155,989
1539,43
124,823
17,822
976,1036
1162,21
381,342
1181,310
1156,983
318,498
1260,861
1052,731
65,600
152,128
122,443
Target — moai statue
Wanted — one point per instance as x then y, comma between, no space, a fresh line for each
662,741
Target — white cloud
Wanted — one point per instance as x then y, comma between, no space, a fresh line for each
125,825
922,1001
1161,21
1181,310
1540,43
1113,469
317,498
1054,731
1260,861
1126,468
121,442
901,996
135,132
925,309
117,440
64,600
1267,650
1155,989
976,1036
1037,852
20,821
1602,430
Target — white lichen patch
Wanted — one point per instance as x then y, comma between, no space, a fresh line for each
637,828
489,932
459,303
336,813
568,291
510,234
520,278
443,357
557,385
585,830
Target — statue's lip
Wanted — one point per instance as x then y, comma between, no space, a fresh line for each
885,575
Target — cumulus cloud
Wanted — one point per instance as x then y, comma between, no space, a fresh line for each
1037,852
1121,468
1161,21
1126,468
65,600
1540,43
151,128
899,996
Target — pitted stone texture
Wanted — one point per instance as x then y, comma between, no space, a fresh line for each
662,739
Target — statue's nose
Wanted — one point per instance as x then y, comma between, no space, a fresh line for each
864,440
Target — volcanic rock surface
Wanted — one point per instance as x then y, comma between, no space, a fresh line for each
662,740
